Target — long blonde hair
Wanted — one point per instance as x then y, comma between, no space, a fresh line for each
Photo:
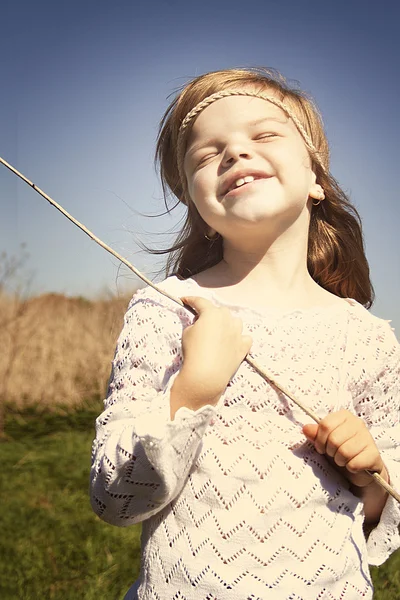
336,256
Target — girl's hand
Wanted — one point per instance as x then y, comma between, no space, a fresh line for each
213,349
346,439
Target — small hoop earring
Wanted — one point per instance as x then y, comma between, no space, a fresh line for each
320,197
212,239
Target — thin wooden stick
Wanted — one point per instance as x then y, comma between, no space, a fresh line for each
248,358
88,232
315,418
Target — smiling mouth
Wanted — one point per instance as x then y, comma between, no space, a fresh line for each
243,181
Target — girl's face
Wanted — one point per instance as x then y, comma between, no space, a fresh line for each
247,167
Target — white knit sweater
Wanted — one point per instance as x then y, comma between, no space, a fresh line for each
236,504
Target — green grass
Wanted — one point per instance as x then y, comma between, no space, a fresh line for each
52,546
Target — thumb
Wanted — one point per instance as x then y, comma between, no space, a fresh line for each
310,431
199,303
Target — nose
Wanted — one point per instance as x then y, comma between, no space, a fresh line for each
234,152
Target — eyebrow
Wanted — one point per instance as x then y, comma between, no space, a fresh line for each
210,141
264,119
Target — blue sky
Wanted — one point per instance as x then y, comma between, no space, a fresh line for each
85,83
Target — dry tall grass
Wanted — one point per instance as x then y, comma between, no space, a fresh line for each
56,350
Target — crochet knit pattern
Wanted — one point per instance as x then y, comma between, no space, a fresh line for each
236,504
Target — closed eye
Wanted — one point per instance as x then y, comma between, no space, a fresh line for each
266,135
205,159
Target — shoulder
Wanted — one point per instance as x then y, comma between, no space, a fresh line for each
153,323
364,320
172,286
370,337
178,287
148,302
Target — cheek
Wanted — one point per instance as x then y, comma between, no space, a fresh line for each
196,193
200,186
296,173
292,156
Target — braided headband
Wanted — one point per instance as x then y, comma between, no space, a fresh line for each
236,92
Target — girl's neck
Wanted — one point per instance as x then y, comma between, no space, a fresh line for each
277,278
280,265
266,270
264,256
256,291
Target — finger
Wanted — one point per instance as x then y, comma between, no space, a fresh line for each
352,428
339,437
348,451
310,431
247,343
199,303
326,428
369,458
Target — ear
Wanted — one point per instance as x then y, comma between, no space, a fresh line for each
316,191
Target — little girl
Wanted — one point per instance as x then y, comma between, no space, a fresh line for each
241,497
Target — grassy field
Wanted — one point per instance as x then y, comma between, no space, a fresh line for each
52,547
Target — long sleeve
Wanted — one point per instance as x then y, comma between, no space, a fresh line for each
140,458
376,396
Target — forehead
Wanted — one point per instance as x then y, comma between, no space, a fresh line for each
233,112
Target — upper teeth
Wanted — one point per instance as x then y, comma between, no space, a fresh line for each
243,180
